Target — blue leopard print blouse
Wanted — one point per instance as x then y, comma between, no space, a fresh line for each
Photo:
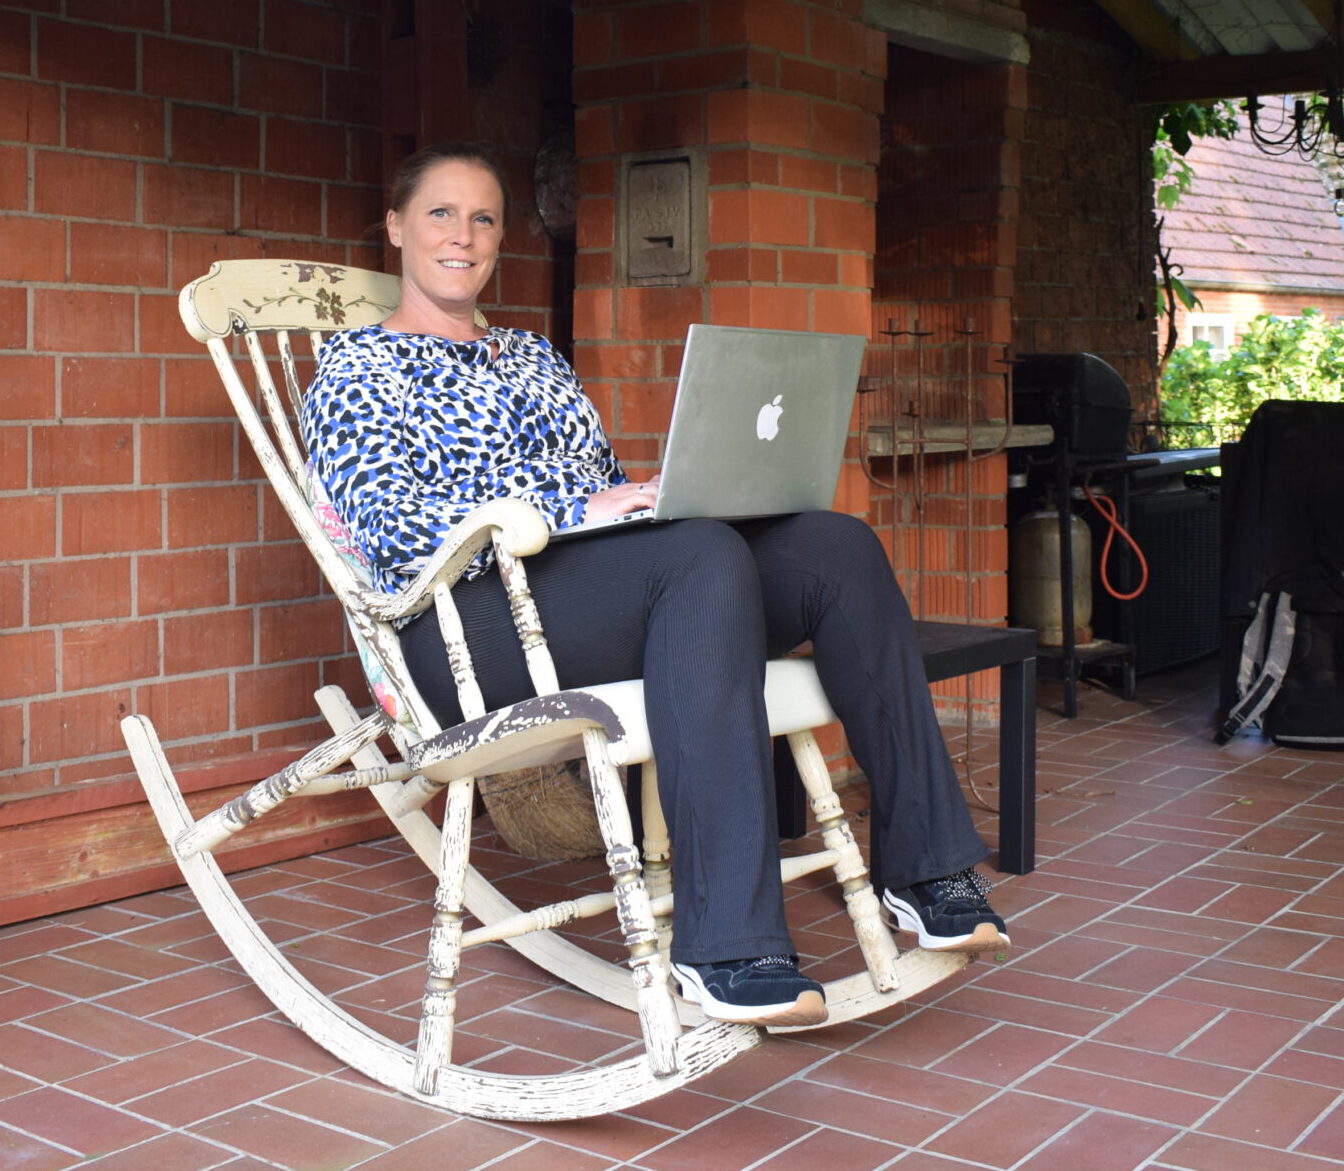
409,432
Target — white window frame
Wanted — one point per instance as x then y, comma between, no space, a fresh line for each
1200,325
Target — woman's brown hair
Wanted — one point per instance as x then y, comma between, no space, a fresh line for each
412,169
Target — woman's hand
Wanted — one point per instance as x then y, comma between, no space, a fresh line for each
623,498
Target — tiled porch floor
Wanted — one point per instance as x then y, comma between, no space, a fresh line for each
1170,1002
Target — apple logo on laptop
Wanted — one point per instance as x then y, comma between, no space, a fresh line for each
767,419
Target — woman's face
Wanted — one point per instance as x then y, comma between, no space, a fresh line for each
449,233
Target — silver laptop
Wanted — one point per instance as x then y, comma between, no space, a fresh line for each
758,426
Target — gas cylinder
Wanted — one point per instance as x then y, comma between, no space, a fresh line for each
1034,577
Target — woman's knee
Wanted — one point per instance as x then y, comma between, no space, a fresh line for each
703,545
838,540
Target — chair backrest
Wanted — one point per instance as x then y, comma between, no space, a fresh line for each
278,302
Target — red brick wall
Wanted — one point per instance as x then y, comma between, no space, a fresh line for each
1243,305
1086,238
142,566
942,310
144,569
780,100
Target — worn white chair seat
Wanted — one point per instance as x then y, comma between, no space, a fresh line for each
605,726
795,702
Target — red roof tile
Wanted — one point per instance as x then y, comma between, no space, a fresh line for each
1256,220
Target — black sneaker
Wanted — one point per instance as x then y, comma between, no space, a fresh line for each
949,914
765,991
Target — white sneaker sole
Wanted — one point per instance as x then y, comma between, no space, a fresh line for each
809,1008
985,937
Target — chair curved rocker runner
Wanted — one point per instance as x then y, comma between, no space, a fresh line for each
603,726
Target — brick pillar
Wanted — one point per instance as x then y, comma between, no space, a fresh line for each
775,103
942,306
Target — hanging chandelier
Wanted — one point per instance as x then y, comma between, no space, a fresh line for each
1315,124
1310,124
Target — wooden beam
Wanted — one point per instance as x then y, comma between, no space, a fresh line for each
1149,28
1323,12
1235,77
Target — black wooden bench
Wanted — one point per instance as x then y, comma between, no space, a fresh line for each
951,650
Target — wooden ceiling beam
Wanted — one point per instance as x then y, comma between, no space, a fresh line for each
1149,28
1235,77
1323,12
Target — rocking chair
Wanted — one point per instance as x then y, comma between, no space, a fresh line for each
604,726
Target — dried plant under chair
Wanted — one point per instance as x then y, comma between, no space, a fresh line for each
547,768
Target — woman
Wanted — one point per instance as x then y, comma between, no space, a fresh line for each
414,422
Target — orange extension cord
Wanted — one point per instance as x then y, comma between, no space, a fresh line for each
1106,506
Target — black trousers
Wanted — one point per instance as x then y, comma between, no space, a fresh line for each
695,608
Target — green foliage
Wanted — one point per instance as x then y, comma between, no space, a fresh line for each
1277,357
1178,125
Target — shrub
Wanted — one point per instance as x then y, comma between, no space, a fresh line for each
1277,357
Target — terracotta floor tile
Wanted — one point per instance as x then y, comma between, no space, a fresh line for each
366,1109
278,1040
545,1157
125,957
1182,934
1325,1136
25,1000
47,1058
201,1017
1005,1130
1069,957
1083,994
38,938
758,1069
1001,1006
1307,1067
100,1028
198,983
1139,1066
472,1143
830,1148
1162,1104
740,1140
860,1114
12,1083
1203,1152
294,1144
58,974
615,1136
1102,1142
1183,894
148,1072
1143,969
1241,1040
1270,1111
74,1123
1003,1055
1250,989
31,1154
925,1037
181,1102
925,1089
1161,1024
167,1152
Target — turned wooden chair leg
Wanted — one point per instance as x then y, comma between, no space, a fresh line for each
434,1048
879,950
657,848
634,911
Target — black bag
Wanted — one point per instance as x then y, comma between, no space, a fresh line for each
1283,576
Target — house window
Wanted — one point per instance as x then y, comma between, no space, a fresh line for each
1214,328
